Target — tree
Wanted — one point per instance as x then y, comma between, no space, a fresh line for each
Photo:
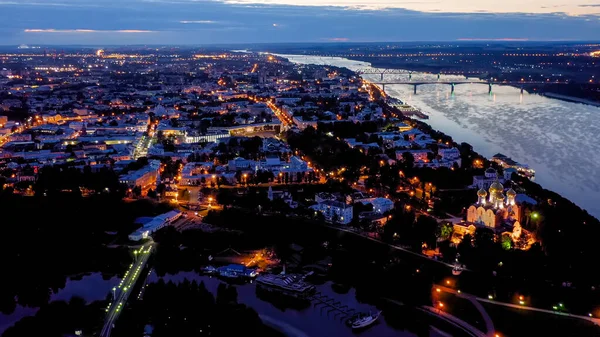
184,195
445,231
465,246
507,242
136,191
426,227
225,197
408,159
484,238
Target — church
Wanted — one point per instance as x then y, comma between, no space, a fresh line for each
495,209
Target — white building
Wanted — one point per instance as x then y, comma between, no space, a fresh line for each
380,205
145,177
449,154
154,225
211,137
486,180
418,155
335,211
139,235
240,163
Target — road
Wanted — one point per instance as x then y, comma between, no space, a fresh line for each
124,289
489,324
280,114
488,321
392,246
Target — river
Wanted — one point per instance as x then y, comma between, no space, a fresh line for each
311,321
556,138
91,288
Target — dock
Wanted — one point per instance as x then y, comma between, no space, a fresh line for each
330,305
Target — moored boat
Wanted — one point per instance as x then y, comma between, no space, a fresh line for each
287,284
363,320
457,269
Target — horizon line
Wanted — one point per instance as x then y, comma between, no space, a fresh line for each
497,40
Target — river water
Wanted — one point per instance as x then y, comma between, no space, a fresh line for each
91,288
311,321
558,139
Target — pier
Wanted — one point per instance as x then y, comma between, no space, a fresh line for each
330,305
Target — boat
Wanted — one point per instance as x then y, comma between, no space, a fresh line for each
236,271
457,269
507,163
292,285
209,270
363,320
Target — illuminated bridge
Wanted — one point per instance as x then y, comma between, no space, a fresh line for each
452,84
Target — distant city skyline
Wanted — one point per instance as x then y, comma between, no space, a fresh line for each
262,21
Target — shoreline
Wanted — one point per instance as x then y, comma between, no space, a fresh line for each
570,99
550,95
419,120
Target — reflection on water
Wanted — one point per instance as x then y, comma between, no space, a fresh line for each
90,287
313,321
558,139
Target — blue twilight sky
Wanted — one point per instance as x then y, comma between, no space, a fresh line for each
94,22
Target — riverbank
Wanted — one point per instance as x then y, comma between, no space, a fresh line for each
570,99
553,136
435,70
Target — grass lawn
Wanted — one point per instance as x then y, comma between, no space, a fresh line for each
511,322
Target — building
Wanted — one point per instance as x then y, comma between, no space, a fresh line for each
240,163
418,155
485,181
145,177
154,225
508,163
493,209
139,234
380,205
449,154
210,137
335,211
499,212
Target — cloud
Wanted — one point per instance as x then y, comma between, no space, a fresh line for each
506,39
70,31
199,22
48,4
445,6
336,39
270,21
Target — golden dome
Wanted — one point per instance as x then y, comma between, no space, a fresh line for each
482,193
499,195
496,187
511,193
